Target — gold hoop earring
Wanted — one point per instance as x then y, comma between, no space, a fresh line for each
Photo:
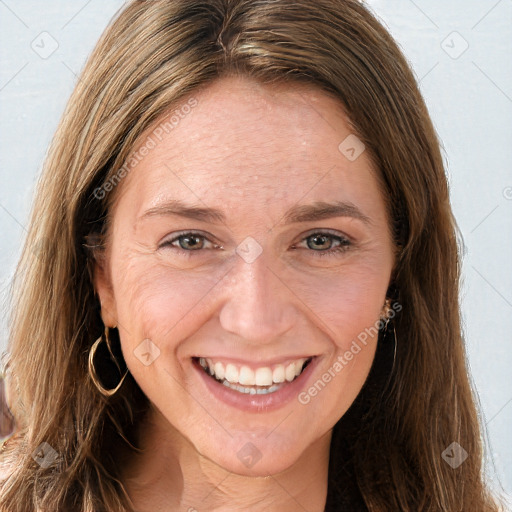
92,369
386,313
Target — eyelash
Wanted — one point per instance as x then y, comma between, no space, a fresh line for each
344,241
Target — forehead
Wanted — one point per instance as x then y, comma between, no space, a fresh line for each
246,141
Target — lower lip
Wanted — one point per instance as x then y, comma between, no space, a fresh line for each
257,403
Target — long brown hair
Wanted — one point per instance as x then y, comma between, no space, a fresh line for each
386,452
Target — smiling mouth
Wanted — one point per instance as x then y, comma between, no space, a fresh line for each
260,381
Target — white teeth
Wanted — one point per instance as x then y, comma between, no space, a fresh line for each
219,370
278,375
251,391
263,377
246,376
231,374
243,377
289,372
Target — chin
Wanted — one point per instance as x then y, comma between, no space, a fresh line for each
257,455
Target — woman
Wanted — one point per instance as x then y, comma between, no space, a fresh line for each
269,318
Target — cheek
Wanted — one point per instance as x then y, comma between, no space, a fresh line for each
168,306
158,303
154,302
157,308
345,304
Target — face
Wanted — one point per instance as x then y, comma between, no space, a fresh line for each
245,243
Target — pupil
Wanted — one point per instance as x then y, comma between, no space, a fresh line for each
319,240
191,241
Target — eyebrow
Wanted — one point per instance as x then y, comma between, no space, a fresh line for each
299,213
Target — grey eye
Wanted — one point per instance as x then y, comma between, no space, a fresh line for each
316,241
191,241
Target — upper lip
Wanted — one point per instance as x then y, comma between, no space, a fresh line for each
256,363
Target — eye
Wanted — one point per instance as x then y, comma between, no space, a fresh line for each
188,242
323,243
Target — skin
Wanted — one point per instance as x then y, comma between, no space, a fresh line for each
252,151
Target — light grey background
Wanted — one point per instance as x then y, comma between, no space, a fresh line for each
461,52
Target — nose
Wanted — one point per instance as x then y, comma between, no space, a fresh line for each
258,306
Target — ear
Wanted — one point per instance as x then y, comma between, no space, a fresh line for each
103,287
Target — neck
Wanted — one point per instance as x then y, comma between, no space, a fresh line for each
170,475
